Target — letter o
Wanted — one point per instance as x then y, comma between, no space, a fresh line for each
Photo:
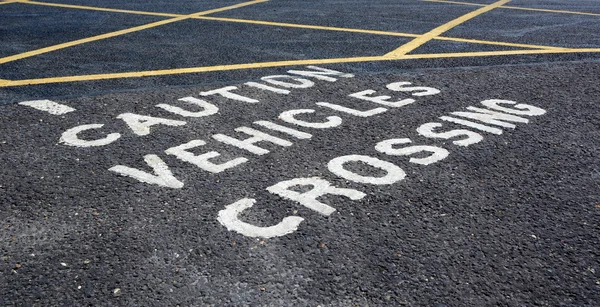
394,173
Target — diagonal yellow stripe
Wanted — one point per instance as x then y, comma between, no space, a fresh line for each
375,32
419,41
497,53
518,8
285,63
10,1
121,32
92,8
301,26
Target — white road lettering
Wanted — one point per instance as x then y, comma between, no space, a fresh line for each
321,73
140,124
202,161
521,109
424,90
394,173
275,127
382,100
299,82
248,144
427,130
163,176
226,92
491,117
228,217
354,112
320,187
267,88
288,117
70,137
49,106
471,124
387,147
208,108
360,169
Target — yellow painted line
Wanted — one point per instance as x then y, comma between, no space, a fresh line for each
519,8
91,8
9,1
496,53
506,44
419,41
375,32
285,63
121,32
301,26
188,70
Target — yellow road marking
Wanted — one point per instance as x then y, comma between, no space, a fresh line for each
506,44
496,53
419,41
376,32
10,1
91,8
518,8
284,63
291,25
121,32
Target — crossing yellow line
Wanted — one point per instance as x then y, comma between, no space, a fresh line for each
518,8
497,53
285,63
121,32
376,32
11,1
102,9
419,41
301,26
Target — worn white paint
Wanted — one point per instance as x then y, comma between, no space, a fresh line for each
287,130
267,88
471,124
140,124
207,108
354,112
202,160
423,90
248,144
162,175
387,147
289,117
382,100
491,117
288,81
320,187
323,74
519,109
228,217
71,138
427,130
49,106
227,93
393,172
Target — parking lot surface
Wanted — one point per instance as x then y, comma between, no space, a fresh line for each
300,153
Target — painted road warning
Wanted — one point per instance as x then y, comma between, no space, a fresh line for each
283,153
295,127
366,167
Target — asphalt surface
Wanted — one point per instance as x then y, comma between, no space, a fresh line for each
511,219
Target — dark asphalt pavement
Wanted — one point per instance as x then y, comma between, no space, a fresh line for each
447,181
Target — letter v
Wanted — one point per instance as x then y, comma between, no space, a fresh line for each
163,176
